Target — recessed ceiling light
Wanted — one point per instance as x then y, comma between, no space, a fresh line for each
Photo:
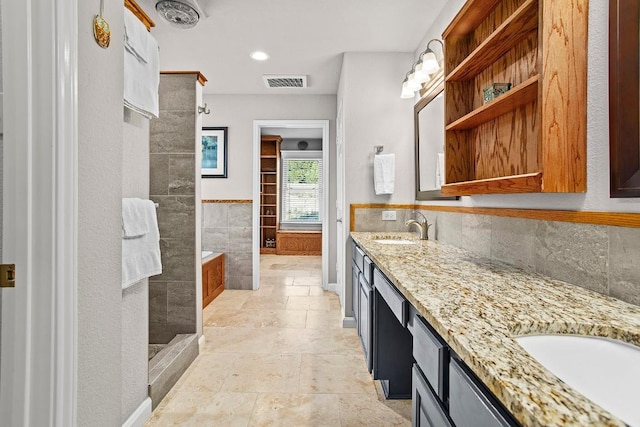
259,55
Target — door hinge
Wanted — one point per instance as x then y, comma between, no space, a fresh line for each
7,275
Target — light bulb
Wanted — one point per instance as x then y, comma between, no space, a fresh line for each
430,63
406,92
421,75
412,83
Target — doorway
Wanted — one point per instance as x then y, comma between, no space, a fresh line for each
299,129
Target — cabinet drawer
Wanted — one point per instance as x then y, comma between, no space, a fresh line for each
426,409
358,258
431,355
367,269
391,296
365,327
470,404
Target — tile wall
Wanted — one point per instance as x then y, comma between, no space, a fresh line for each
227,228
600,258
172,295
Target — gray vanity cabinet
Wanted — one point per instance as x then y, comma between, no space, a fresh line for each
355,291
470,404
362,301
364,320
426,409
392,341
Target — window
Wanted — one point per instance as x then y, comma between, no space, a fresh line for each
301,189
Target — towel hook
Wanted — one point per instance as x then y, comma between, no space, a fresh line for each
378,148
204,109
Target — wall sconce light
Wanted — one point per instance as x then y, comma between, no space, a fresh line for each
421,71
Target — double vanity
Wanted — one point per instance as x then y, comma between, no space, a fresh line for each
473,342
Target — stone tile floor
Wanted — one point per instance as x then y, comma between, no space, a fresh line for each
279,357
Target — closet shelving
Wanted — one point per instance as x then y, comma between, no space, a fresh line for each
533,138
269,181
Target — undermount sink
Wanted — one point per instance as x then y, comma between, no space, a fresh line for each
604,370
386,241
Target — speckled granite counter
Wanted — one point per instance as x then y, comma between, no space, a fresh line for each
478,306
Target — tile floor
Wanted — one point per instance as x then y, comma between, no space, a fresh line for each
279,357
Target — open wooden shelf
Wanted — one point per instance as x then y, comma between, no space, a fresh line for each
520,95
527,183
532,138
515,28
269,181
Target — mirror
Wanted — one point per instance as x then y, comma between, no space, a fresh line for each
428,119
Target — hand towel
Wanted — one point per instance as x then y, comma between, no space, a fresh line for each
141,255
384,173
141,68
136,220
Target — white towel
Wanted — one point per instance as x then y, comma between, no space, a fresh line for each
136,220
141,255
141,68
384,173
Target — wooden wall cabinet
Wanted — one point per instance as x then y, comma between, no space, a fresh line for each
532,138
212,279
269,198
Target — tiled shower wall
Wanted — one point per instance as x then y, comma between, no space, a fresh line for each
596,257
172,295
227,228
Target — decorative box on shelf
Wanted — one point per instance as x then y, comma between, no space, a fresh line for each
495,90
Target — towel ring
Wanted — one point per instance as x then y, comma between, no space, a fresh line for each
378,148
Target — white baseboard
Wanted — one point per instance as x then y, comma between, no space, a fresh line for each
140,415
201,342
349,322
332,287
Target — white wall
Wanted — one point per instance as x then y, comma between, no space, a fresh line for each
238,112
99,297
135,299
597,196
374,114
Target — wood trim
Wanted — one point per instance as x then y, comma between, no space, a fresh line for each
201,78
616,219
226,201
526,183
139,13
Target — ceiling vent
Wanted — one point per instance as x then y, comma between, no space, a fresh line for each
283,81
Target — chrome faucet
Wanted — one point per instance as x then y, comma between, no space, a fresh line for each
423,226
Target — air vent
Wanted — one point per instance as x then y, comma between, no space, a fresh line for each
285,81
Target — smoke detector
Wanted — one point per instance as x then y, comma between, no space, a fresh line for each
179,13
285,81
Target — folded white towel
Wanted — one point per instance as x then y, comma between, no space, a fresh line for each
136,217
384,173
141,255
141,68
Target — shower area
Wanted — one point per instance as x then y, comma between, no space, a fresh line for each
175,298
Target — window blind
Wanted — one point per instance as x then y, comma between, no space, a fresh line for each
302,187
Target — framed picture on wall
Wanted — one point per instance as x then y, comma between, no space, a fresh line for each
214,152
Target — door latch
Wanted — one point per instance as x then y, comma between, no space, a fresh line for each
7,275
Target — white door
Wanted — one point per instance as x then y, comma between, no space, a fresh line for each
340,249
37,346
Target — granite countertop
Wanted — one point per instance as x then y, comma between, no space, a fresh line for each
478,306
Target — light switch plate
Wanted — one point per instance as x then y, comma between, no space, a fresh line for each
388,215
